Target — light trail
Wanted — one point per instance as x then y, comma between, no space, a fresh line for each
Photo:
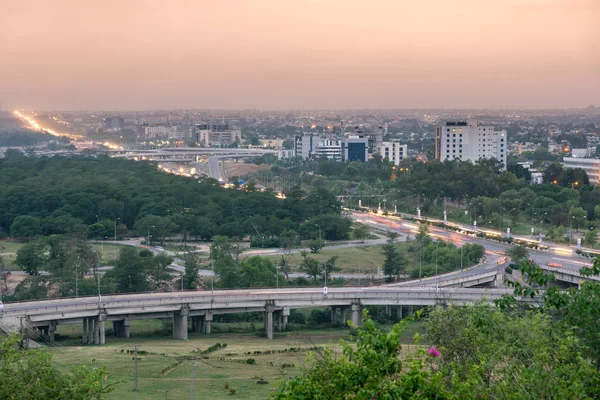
49,131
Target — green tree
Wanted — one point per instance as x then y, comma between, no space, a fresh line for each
310,266
258,272
368,369
130,271
31,257
394,263
24,227
160,272
517,253
577,215
315,245
96,231
31,375
158,227
591,238
360,232
191,263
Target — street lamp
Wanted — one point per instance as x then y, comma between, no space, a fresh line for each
148,241
571,229
436,266
319,226
116,228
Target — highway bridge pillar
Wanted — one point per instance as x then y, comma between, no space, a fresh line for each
96,323
333,316
356,314
52,330
279,321
410,311
84,336
121,328
180,324
101,320
399,311
286,314
207,322
268,316
499,279
90,330
388,311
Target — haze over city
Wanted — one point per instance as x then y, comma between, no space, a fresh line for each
269,54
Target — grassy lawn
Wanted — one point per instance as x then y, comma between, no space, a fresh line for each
9,253
370,258
168,362
109,251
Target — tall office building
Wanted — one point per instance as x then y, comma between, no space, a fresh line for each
393,151
590,165
114,123
354,149
468,141
216,135
305,145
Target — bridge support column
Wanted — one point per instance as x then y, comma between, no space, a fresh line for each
102,337
180,324
344,317
268,317
279,321
84,336
499,279
96,323
410,311
52,330
333,316
207,322
121,328
285,314
399,311
90,330
356,314
388,311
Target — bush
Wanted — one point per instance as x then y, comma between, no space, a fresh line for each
320,316
251,361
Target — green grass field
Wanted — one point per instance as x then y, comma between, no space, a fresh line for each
169,367
370,258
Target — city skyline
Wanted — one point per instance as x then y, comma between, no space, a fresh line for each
329,54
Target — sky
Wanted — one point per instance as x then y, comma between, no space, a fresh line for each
299,54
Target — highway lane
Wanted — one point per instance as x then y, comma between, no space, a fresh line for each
563,256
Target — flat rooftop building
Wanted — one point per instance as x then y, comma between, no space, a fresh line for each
468,141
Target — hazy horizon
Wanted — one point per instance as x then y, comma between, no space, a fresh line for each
300,55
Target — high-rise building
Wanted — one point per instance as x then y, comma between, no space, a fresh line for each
590,165
468,141
216,135
355,149
393,152
330,149
305,145
114,122
158,131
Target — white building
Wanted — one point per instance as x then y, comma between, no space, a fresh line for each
305,145
590,165
160,132
216,135
393,151
468,141
330,149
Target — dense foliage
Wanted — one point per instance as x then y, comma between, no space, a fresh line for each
30,375
106,196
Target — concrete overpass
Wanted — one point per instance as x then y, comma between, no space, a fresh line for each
201,306
191,154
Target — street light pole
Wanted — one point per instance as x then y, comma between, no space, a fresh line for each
319,226
212,284
436,266
116,228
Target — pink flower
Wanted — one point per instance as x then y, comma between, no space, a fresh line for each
434,352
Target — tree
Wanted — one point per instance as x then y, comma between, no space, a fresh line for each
96,231
577,214
591,238
25,227
160,271
257,272
158,227
315,245
29,375
368,369
310,266
360,232
130,271
393,265
191,263
517,253
31,257
328,267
